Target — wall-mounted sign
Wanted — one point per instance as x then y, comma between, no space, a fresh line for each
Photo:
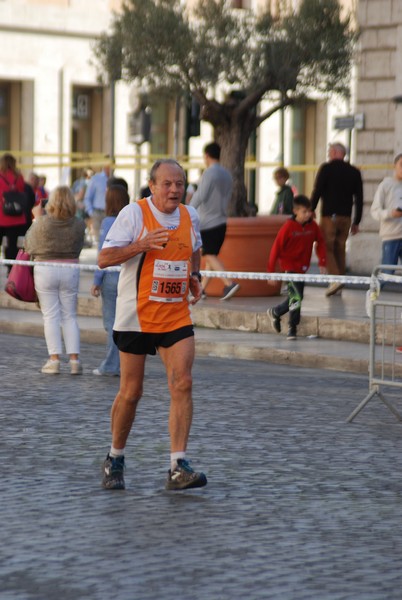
81,108
349,122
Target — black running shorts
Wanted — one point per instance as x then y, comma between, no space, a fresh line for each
136,342
212,239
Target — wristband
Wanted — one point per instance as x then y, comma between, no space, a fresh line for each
196,274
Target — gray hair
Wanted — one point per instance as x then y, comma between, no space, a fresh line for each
338,147
164,161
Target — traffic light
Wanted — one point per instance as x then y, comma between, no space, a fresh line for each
193,118
139,126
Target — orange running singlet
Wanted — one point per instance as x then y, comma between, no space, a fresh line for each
163,277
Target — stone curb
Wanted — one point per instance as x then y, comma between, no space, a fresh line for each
236,320
282,357
220,349
339,330
89,336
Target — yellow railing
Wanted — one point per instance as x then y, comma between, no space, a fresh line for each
29,161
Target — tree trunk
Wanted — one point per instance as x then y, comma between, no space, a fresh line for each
232,130
233,136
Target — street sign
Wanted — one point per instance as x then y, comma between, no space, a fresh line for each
349,122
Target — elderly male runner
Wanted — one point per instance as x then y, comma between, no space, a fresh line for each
157,241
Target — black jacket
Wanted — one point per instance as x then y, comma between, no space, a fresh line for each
339,185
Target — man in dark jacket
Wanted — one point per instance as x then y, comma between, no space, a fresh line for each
340,187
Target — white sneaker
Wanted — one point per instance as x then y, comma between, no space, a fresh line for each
97,372
230,290
333,288
51,367
75,367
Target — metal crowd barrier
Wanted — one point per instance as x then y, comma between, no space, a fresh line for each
385,338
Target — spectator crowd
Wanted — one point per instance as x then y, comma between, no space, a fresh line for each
96,198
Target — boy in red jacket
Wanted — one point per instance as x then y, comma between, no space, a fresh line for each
292,248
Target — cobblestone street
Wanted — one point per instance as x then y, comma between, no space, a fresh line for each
299,504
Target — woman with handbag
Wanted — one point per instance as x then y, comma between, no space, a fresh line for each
58,236
12,226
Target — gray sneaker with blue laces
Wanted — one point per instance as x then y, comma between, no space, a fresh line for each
183,477
113,473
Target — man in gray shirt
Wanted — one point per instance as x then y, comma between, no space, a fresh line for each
211,200
95,199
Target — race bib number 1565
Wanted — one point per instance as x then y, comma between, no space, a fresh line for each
169,281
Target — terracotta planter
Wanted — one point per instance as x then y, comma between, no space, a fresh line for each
246,248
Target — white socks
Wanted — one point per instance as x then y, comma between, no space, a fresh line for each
174,456
115,452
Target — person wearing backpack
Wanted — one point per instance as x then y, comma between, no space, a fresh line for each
12,226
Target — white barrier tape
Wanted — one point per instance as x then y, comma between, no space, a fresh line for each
62,265
356,280
307,278
387,277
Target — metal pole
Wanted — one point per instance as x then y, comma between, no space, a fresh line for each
137,169
176,128
61,126
282,136
112,118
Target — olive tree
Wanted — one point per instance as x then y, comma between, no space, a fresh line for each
230,60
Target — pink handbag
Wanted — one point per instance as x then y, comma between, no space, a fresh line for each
20,281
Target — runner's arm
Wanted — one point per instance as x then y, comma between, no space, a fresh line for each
154,240
195,261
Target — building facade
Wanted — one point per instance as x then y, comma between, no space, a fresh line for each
51,102
379,99
53,107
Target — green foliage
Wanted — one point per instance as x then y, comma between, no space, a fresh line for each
324,43
155,41
220,42
229,60
164,48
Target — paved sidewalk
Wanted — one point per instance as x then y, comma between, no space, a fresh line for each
299,504
334,332
240,329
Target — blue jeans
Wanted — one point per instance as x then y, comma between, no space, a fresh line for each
111,364
391,252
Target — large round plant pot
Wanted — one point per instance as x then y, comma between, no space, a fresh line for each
246,248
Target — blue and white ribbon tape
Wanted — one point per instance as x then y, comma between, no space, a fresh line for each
307,278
